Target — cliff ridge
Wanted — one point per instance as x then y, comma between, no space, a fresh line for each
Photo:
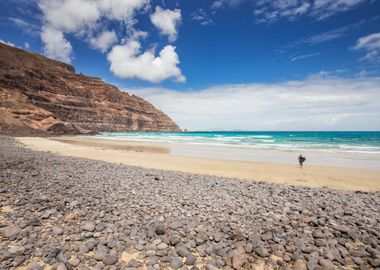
39,95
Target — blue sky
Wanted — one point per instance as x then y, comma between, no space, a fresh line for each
182,51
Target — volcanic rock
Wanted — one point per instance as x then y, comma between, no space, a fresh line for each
39,96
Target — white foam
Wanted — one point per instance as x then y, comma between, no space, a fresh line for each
244,141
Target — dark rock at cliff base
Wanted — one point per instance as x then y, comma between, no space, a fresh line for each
41,96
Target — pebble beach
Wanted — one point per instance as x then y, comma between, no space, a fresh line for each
61,213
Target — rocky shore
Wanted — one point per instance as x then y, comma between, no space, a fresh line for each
70,213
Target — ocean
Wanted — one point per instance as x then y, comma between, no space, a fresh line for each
339,142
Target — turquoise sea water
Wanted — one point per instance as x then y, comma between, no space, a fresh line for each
352,142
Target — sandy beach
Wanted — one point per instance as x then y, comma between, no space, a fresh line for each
174,158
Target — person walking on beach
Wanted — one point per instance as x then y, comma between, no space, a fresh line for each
301,160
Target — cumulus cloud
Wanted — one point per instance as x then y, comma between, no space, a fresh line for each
86,19
69,16
121,10
167,21
78,15
82,18
371,44
103,41
127,61
316,103
56,46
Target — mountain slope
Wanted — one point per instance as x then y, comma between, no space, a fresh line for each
43,96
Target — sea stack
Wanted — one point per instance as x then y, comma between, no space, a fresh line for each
39,95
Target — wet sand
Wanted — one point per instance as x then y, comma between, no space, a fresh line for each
115,145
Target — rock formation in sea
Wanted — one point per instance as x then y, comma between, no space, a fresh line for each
39,95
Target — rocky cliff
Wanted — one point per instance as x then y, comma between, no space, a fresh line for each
43,96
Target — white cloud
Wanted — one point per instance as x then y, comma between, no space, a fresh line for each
167,21
328,74
296,10
82,18
326,36
8,43
26,45
201,16
326,8
121,10
56,46
317,103
218,4
103,41
269,11
65,16
26,27
127,61
303,56
87,20
371,44
69,16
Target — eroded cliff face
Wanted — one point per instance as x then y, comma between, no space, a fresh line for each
41,95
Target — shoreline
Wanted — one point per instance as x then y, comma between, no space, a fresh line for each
159,156
240,152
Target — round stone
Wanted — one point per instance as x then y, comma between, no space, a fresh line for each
110,259
182,251
261,251
160,229
74,261
176,263
88,226
190,259
133,263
